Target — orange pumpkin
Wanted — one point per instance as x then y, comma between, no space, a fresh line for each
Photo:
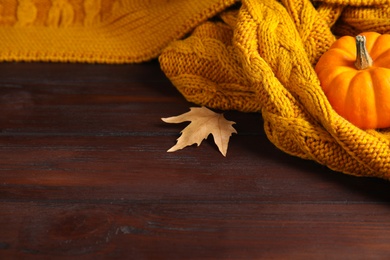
355,76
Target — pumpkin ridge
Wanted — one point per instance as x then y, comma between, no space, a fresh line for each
365,94
374,86
341,76
344,41
348,56
381,61
334,94
381,85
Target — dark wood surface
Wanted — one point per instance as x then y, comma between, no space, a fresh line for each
84,174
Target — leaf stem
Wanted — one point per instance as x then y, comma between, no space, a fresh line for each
363,58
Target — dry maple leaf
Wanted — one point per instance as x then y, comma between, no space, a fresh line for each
203,123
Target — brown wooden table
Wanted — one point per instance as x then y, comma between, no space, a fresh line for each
84,174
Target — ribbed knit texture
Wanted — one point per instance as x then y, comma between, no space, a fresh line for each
252,56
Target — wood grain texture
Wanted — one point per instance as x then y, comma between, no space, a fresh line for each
84,174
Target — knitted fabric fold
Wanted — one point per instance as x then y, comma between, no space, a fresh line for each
260,58
103,31
249,55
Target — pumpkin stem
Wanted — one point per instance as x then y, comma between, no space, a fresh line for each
363,59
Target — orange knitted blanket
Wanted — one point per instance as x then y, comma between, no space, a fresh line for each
249,55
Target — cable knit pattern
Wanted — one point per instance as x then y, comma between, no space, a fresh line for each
251,56
61,13
26,13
